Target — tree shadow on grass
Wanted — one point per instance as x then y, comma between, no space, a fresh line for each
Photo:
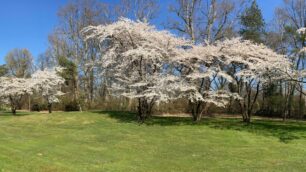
284,131
131,117
8,113
120,116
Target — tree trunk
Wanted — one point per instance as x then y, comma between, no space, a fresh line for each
13,110
144,109
29,103
247,119
91,87
249,103
76,92
197,111
288,103
301,105
13,105
50,107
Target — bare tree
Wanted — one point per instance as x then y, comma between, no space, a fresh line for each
143,10
206,20
187,12
291,17
45,60
19,63
67,41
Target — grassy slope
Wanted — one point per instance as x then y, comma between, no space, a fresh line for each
114,142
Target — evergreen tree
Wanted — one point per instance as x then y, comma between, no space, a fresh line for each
70,74
252,23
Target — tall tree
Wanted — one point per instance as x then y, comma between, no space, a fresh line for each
67,41
69,73
291,17
205,20
143,10
186,11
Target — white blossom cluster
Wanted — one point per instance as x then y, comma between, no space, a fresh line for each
48,83
256,61
301,31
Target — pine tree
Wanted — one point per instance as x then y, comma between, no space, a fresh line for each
252,23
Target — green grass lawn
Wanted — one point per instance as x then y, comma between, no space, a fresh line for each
109,141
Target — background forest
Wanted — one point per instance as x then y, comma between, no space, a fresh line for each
200,21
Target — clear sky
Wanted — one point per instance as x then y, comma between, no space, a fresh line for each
27,23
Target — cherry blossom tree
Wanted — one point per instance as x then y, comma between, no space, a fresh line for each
252,66
203,78
136,57
48,83
232,69
13,89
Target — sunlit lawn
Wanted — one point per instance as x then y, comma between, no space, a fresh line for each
113,141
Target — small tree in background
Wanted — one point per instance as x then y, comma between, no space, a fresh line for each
13,89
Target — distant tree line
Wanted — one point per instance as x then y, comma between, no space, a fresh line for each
201,22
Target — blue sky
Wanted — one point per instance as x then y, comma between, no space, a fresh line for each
27,23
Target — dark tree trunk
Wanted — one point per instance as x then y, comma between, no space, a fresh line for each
246,117
13,110
13,105
144,109
50,107
229,107
248,106
197,111
91,89
301,105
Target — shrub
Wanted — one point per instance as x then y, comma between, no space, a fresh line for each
35,107
38,107
72,106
